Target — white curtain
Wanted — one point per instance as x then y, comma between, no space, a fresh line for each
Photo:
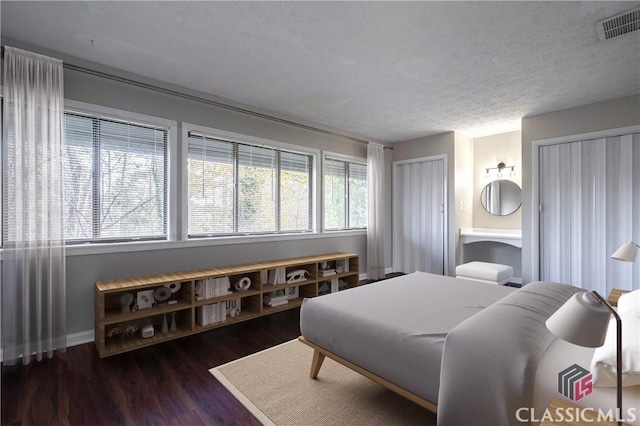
418,231
375,209
590,196
33,258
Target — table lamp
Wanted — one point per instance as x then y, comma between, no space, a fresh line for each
583,320
627,252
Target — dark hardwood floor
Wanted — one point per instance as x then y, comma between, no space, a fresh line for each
165,384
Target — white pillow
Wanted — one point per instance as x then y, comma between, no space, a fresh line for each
629,302
603,364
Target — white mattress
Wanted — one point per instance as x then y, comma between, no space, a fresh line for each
396,328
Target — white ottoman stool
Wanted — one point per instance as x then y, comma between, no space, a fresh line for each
492,273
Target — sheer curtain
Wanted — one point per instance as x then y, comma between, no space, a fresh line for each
418,230
375,209
590,196
33,258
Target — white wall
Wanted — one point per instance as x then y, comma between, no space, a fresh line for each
464,178
488,151
612,114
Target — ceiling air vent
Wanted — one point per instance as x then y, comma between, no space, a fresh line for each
619,25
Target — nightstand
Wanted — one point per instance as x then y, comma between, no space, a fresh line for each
567,409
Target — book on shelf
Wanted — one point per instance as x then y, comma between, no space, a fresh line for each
277,276
327,272
275,300
211,314
213,287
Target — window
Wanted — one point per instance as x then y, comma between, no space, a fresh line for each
345,194
236,188
115,179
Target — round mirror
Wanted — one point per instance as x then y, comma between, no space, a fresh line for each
501,197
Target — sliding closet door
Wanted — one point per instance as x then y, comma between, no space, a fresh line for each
590,205
418,232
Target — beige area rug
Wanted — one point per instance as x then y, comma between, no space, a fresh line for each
275,386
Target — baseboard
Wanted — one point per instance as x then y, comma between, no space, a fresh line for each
75,339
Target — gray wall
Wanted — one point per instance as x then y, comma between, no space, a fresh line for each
613,114
84,269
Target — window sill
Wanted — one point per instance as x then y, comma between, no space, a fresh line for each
91,249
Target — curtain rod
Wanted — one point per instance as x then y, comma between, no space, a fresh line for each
208,102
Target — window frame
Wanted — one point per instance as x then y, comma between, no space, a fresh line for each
247,140
97,111
347,159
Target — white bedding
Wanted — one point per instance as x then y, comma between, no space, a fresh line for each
396,328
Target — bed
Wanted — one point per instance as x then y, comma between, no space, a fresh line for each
394,332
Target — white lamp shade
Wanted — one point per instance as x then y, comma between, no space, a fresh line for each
582,320
627,252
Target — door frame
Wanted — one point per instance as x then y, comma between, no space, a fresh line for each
445,208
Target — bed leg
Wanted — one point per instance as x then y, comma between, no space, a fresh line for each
316,363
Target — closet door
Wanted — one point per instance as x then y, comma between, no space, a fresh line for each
589,206
419,225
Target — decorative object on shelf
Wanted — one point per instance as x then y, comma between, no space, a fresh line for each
147,331
165,326
343,285
292,292
500,171
173,326
144,299
627,252
123,330
324,265
297,276
125,302
325,288
339,269
161,294
584,320
243,284
174,287
234,307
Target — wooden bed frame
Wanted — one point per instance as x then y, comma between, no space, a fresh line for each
320,353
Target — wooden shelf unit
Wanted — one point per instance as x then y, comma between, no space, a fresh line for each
110,320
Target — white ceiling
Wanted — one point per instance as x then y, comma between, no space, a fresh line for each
388,71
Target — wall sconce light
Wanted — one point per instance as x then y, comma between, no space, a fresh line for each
500,171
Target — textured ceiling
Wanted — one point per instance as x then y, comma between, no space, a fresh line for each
388,71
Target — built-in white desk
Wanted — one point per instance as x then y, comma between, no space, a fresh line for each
511,237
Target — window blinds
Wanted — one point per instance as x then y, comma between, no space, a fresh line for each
115,179
345,194
237,188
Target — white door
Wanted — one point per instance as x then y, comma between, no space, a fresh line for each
589,206
419,219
